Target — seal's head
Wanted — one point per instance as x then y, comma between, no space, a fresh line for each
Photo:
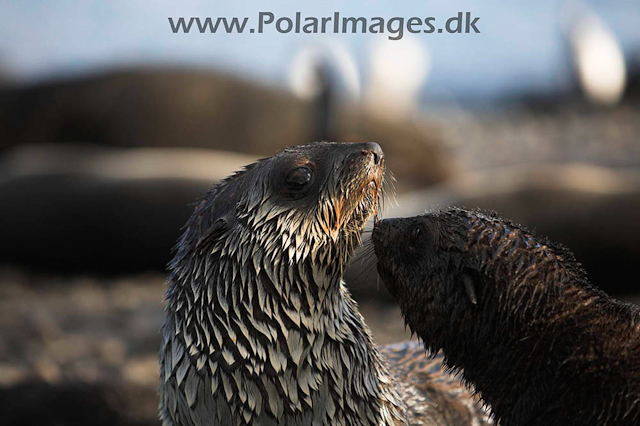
458,270
303,197
421,261
303,201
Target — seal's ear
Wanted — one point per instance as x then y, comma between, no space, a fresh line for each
215,231
469,285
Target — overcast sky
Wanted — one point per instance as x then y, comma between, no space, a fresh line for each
520,46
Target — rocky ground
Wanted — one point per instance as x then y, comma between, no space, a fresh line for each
565,133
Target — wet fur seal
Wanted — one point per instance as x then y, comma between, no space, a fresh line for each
260,329
516,316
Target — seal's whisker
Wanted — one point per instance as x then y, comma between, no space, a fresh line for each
364,271
387,193
365,259
364,253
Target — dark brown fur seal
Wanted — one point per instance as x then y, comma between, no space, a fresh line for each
517,316
260,329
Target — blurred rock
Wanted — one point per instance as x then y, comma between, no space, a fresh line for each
73,352
102,209
183,108
36,403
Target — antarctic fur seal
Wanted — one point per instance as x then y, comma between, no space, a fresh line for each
260,329
516,316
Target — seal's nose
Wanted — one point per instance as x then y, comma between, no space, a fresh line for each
383,231
373,149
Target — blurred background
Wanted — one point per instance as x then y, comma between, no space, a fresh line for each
112,126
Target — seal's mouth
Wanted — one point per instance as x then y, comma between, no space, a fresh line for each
360,196
348,206
380,239
368,193
375,169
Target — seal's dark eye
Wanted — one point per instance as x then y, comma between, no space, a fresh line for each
298,178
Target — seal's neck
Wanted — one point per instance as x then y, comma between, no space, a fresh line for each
288,329
533,335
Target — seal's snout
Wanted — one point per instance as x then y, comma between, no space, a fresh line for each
378,235
384,238
379,230
384,231
374,151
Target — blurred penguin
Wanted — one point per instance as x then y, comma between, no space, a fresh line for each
597,56
397,74
325,74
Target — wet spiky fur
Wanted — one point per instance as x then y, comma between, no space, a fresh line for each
539,343
260,329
